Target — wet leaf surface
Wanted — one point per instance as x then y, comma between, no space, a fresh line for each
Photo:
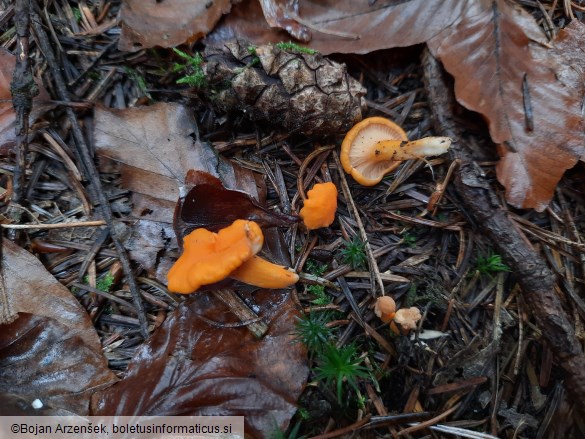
51,351
192,367
32,289
210,205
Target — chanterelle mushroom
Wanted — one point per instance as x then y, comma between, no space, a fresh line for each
375,147
210,257
320,206
264,274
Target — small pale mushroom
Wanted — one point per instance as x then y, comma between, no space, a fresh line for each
320,206
376,146
385,308
407,318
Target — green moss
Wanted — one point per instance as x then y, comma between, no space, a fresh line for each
354,253
340,365
321,297
490,264
293,47
313,332
193,70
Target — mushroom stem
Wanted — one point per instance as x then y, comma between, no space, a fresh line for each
397,150
264,274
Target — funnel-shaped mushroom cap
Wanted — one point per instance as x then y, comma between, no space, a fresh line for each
360,156
210,257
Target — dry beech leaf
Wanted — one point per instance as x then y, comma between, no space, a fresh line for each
569,46
7,115
569,43
339,27
51,351
281,14
490,57
155,146
149,23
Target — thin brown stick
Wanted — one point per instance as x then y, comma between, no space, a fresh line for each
89,169
350,428
376,278
428,423
96,223
22,88
242,311
483,207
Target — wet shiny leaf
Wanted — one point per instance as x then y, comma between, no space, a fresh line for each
51,351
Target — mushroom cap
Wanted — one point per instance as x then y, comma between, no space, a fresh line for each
210,257
358,150
264,274
407,318
320,206
385,308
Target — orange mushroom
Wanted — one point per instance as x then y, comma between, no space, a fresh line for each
264,274
320,206
210,257
376,145
385,308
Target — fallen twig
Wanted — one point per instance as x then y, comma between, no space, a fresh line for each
535,279
88,166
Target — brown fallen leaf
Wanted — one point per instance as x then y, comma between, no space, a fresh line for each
210,205
51,351
155,147
338,26
168,23
488,46
569,43
280,14
496,74
191,367
7,115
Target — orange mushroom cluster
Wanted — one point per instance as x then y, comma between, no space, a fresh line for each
210,257
320,206
407,318
376,146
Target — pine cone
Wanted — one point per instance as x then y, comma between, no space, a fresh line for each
298,91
